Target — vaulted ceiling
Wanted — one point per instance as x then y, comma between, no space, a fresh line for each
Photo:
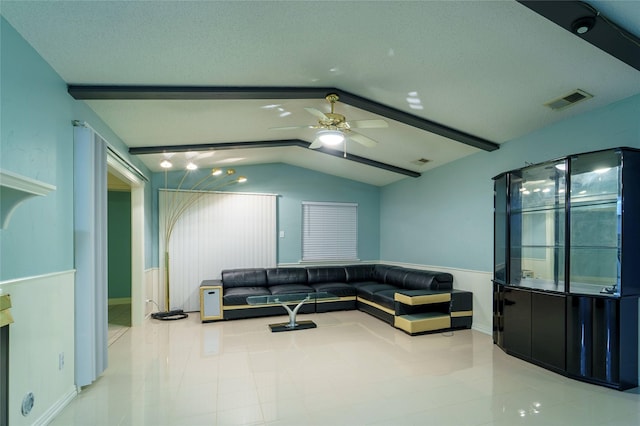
208,81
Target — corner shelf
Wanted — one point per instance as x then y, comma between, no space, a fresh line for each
14,189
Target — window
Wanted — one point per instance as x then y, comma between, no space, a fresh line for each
329,231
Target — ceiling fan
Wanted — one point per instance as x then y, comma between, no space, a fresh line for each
335,128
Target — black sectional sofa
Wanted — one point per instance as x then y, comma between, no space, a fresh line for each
384,291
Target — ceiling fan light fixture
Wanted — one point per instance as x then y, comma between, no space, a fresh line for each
330,137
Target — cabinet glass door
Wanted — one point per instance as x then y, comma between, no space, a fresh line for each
537,226
595,223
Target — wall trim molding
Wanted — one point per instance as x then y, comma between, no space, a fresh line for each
36,277
439,268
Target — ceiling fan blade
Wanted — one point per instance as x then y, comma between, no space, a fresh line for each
362,139
368,124
291,127
318,114
316,144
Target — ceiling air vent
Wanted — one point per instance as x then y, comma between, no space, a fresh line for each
568,100
420,161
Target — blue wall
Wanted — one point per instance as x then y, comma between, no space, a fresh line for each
37,142
294,185
445,217
119,244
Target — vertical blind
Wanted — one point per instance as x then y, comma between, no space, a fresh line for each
329,231
90,247
218,231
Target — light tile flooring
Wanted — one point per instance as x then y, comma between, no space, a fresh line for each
352,370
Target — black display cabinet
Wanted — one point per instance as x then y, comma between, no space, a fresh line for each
566,265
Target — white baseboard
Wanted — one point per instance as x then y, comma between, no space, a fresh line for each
48,416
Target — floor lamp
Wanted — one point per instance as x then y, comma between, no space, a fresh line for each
177,205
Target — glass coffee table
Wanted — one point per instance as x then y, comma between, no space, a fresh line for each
285,300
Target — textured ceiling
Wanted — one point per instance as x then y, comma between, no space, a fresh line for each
483,67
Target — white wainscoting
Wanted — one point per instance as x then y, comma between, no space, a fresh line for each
43,330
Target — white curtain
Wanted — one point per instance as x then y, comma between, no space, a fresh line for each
90,230
220,230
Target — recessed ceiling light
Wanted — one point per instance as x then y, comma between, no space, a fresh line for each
191,166
166,164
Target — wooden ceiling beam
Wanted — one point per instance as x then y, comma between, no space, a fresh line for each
269,144
93,92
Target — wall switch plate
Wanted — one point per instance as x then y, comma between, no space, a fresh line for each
281,234
60,360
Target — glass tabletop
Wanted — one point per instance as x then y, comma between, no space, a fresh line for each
279,299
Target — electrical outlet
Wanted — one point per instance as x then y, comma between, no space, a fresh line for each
60,360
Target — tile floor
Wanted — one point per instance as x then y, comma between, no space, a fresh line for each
351,370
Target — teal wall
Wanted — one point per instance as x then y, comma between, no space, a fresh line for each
445,217
119,242
36,141
294,185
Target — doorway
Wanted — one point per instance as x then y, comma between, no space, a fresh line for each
131,187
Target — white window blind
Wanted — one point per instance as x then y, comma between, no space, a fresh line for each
329,231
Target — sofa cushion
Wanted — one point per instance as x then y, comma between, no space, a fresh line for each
255,277
395,276
380,272
428,280
367,291
238,295
276,276
359,273
291,289
326,275
337,289
385,298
